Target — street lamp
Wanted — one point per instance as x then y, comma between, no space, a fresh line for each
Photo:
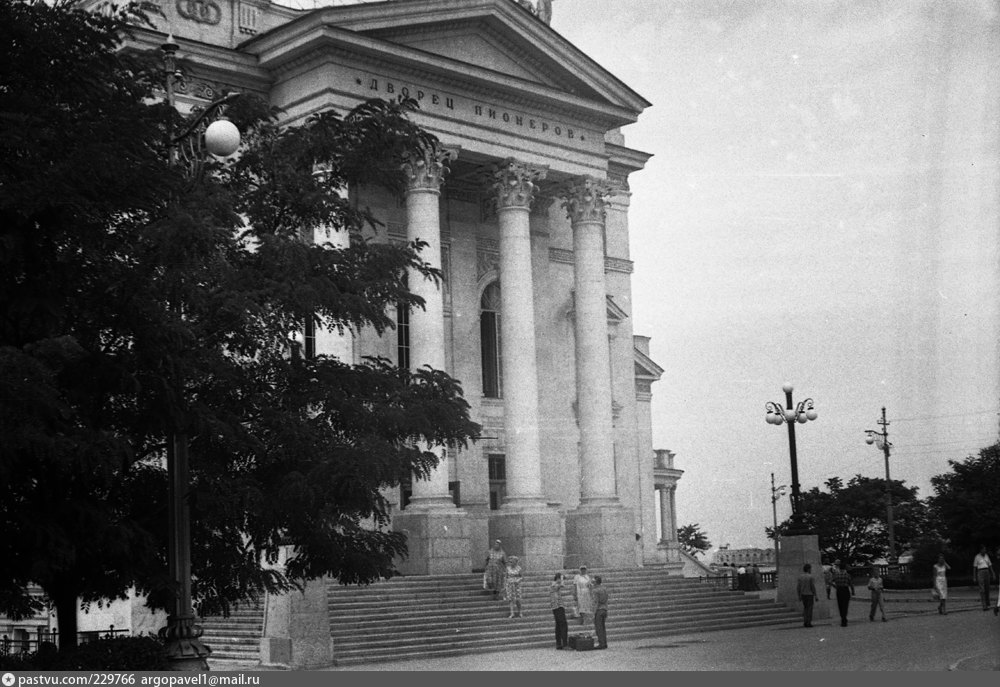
881,440
776,493
221,138
789,415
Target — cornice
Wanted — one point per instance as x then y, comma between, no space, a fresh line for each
627,159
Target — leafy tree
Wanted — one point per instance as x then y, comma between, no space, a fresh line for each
965,505
850,519
692,539
137,305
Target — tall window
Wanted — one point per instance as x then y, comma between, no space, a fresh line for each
489,335
497,466
403,336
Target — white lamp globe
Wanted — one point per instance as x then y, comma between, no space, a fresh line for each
787,387
811,414
790,415
802,418
222,138
869,440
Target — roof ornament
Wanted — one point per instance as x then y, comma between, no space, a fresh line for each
540,8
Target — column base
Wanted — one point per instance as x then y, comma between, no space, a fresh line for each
793,553
438,541
535,534
297,628
600,537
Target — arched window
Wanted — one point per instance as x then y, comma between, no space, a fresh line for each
489,334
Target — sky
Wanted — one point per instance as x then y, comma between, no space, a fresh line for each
821,209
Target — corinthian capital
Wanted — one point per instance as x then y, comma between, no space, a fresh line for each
425,168
584,199
514,184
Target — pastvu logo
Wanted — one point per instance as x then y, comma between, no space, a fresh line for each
8,679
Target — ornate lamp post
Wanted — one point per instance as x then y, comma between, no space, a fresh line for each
789,415
881,440
199,137
776,493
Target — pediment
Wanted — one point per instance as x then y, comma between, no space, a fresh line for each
478,44
495,44
645,368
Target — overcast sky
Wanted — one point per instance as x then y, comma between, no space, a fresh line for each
822,208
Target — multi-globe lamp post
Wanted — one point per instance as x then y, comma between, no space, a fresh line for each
200,137
881,441
792,414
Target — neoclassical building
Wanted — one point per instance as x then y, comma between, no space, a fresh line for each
525,209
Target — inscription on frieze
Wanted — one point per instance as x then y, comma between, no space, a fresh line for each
473,110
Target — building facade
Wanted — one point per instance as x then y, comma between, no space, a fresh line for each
525,209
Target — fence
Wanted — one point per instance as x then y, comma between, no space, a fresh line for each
31,644
744,583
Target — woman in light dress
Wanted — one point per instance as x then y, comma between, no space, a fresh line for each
582,596
940,590
514,575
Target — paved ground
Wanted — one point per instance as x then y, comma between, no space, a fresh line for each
914,638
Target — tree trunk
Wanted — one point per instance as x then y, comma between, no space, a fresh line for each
66,602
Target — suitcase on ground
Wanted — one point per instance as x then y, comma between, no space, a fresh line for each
581,643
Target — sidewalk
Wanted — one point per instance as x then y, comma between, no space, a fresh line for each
915,638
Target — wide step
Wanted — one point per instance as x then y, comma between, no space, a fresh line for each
449,615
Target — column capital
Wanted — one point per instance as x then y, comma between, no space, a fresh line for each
514,184
425,168
585,198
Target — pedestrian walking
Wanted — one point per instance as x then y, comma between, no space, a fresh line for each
828,577
875,589
755,577
982,573
513,580
496,564
559,611
806,588
844,588
600,613
940,589
582,597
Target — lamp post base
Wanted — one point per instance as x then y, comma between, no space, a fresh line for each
796,551
185,650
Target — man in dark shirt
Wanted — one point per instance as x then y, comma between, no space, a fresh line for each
844,587
807,594
600,613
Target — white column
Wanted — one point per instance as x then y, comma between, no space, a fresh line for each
330,340
664,517
585,204
672,534
514,188
424,175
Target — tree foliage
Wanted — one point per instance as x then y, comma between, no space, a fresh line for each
136,306
851,519
965,505
692,539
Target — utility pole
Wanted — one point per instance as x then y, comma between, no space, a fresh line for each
881,440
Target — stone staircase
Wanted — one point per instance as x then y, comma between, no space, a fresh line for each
447,615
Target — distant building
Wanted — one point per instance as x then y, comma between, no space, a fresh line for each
729,557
